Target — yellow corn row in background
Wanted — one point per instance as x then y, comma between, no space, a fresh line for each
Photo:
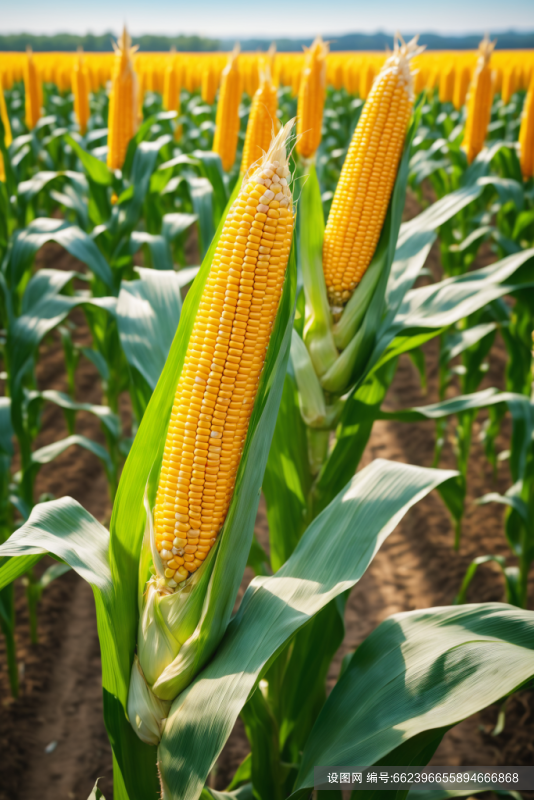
80,89
262,121
479,101
7,131
123,109
227,119
526,134
312,92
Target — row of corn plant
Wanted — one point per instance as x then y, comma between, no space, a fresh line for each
166,577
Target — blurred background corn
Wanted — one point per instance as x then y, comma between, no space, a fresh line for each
262,122
80,88
7,131
171,90
362,195
33,91
479,100
210,82
227,119
526,134
123,104
222,368
312,92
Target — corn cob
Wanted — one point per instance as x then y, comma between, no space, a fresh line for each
171,86
7,132
479,102
526,134
210,83
80,86
362,195
224,360
461,85
227,119
33,91
446,84
509,84
262,122
311,100
123,109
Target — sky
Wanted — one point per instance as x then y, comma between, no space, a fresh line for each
243,18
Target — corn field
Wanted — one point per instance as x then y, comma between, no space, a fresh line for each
249,254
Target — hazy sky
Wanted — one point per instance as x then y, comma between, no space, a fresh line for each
227,18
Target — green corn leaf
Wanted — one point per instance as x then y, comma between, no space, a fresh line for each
330,558
66,530
158,245
174,224
201,194
148,312
96,170
418,672
72,238
104,413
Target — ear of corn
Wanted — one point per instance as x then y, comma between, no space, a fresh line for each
509,83
446,84
210,82
362,195
461,85
311,96
80,86
227,119
526,134
123,104
8,138
262,122
479,102
33,91
217,388
171,91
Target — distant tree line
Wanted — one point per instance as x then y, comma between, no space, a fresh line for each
508,40
64,42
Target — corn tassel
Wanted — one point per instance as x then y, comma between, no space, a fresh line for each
311,99
262,122
479,100
362,195
33,91
8,138
123,104
80,86
227,119
222,368
526,134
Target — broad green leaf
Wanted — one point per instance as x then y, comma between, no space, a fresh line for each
148,312
330,558
72,238
417,672
201,194
159,248
96,169
66,530
174,224
104,413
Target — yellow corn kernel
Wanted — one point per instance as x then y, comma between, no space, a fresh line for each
362,195
312,92
80,87
123,108
262,122
479,100
223,364
526,134
33,91
227,118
